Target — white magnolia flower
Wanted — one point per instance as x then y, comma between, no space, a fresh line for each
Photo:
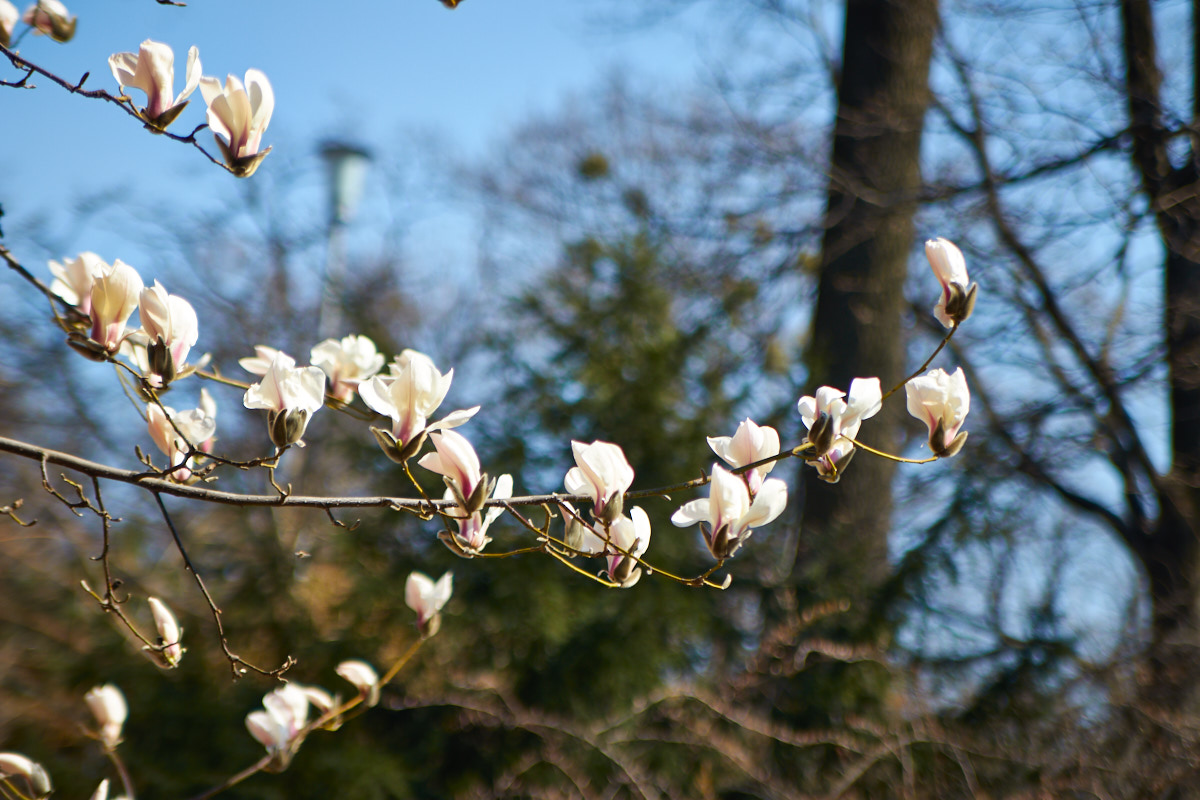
291,395
628,538
347,363
114,297
110,710
364,678
941,401
456,461
957,300
152,70
281,723
603,473
471,536
427,598
833,421
238,116
73,278
169,635
26,774
192,428
260,362
578,534
8,21
748,444
728,514
50,18
171,329
409,394
207,409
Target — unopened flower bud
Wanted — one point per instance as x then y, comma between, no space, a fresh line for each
162,363
821,434
51,18
573,536
961,302
169,635
483,490
110,710
834,474
719,543
286,427
364,678
622,571
387,443
612,509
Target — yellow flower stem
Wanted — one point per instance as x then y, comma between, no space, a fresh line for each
920,369
891,457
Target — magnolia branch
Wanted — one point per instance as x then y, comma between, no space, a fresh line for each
30,69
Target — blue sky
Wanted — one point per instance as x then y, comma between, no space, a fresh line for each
370,73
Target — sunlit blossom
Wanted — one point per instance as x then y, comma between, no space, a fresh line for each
347,363
427,598
260,362
74,277
603,473
957,300
170,635
471,536
176,434
456,461
8,21
409,394
941,401
110,710
629,536
50,18
363,676
152,70
238,116
280,724
750,443
171,329
25,774
727,515
833,421
290,395
115,295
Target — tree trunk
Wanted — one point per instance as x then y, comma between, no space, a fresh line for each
883,93
1170,555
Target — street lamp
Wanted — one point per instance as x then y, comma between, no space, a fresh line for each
346,170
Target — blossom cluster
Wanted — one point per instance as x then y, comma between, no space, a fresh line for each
238,112
288,714
741,497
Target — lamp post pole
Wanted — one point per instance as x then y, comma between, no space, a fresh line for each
346,169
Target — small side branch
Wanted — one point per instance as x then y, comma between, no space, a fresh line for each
237,664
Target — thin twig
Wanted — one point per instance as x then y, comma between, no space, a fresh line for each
237,664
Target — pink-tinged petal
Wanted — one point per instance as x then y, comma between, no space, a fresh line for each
266,729
455,459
